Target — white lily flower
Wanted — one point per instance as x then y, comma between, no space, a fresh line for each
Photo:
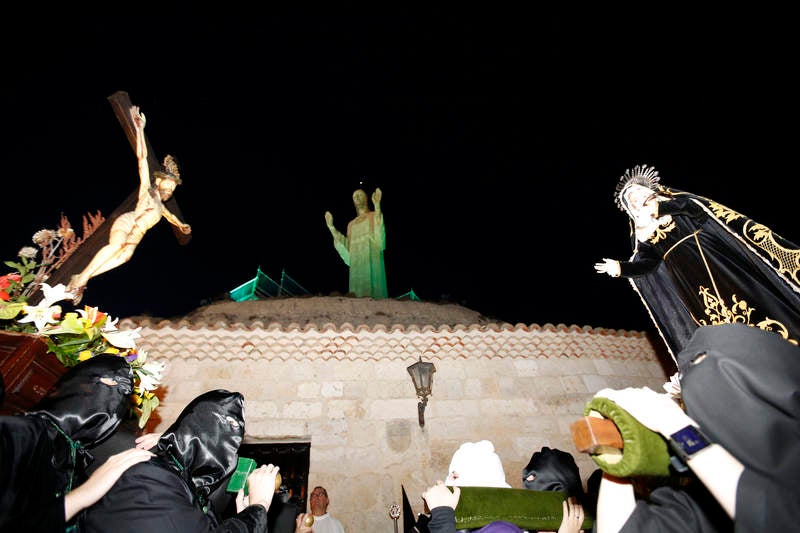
111,323
41,315
673,386
150,375
122,339
54,294
141,356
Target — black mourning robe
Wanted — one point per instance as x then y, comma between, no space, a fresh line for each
171,492
745,395
711,265
44,452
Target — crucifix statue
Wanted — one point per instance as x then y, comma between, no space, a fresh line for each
151,202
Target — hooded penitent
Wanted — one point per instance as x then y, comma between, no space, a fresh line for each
202,445
475,464
44,452
195,455
90,401
742,386
553,469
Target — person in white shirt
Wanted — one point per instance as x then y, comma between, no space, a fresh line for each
323,522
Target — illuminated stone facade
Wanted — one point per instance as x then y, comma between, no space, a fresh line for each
346,390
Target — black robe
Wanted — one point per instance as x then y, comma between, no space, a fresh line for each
711,265
172,491
44,452
745,395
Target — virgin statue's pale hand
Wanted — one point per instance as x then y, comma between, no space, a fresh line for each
608,266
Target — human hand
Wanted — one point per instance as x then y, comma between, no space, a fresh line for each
261,486
138,117
147,441
439,495
376,197
186,229
572,519
102,479
328,218
658,412
303,523
608,266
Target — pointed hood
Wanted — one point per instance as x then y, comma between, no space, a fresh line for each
475,464
202,445
90,400
758,373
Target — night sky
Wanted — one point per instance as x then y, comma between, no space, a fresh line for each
496,138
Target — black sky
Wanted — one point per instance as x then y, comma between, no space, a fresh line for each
497,139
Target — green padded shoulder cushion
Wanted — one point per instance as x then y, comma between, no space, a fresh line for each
644,452
528,509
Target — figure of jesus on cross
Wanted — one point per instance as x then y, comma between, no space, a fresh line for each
129,228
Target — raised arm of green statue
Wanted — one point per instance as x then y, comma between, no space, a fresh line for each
339,240
361,248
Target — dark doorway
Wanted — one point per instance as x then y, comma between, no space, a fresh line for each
293,460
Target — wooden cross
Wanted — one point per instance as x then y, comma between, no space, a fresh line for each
121,104
77,261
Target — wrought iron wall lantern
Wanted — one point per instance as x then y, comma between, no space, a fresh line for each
422,375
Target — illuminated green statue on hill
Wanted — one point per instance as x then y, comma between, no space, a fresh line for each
362,248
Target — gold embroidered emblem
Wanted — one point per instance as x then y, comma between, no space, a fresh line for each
787,259
724,213
661,232
740,313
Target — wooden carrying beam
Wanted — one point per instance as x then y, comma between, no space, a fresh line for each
591,434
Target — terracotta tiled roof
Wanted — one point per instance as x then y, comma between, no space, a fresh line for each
200,340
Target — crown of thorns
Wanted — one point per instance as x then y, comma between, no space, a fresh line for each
643,175
170,170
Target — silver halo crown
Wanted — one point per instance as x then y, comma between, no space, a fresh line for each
643,175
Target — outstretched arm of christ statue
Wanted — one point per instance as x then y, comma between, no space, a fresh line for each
129,228
339,240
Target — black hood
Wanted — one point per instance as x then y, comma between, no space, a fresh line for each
745,393
85,408
202,445
553,469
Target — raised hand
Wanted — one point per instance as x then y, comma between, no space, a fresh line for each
439,495
139,119
656,411
608,266
303,523
261,484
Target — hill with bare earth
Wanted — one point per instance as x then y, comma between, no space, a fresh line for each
337,310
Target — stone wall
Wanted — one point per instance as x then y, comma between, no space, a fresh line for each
347,391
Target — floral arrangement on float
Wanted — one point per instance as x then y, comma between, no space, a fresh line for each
73,336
